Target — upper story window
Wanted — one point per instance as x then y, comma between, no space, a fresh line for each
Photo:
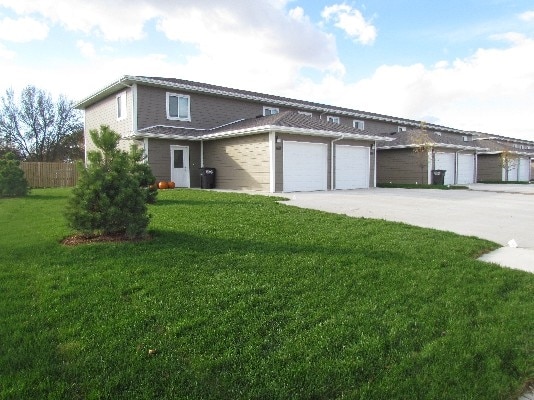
270,111
121,106
401,129
178,107
358,124
306,113
331,118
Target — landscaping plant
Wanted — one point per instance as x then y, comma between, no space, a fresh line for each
113,191
12,180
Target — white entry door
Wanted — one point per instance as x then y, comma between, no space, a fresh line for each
180,166
352,167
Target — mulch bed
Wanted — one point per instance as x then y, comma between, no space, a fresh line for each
76,240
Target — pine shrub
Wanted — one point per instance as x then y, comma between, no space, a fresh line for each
113,190
12,180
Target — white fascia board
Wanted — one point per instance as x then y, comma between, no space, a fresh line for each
147,135
120,84
434,145
290,130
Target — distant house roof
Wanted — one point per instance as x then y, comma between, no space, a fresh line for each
418,137
191,86
286,122
495,145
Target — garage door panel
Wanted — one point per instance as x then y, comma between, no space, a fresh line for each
466,169
352,167
446,161
305,166
524,169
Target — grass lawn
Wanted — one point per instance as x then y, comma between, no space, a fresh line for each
239,297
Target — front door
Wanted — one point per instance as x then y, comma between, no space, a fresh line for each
180,165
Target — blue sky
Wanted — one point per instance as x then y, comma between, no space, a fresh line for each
464,64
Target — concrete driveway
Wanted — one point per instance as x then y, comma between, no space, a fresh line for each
500,213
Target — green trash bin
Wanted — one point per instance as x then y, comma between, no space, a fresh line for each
438,176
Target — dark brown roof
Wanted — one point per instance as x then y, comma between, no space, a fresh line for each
288,121
417,137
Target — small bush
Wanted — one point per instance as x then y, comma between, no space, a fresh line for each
113,190
12,181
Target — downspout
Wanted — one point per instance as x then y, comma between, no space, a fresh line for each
332,186
272,161
456,168
201,153
475,172
374,173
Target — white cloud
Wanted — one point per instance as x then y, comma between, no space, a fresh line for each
351,21
5,53
114,20
86,49
527,16
22,30
491,91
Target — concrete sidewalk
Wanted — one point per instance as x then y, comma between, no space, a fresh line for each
501,213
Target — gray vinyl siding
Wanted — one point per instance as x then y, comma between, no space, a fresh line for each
489,168
207,111
159,159
105,113
402,166
240,162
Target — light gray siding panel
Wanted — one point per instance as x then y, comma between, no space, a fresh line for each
159,158
402,166
105,113
240,163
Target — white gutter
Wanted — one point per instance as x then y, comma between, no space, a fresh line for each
332,185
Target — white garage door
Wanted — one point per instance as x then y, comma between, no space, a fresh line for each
524,169
513,165
352,167
446,161
305,166
466,169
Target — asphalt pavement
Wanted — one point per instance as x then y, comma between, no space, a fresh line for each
501,213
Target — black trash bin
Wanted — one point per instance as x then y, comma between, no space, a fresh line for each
207,178
438,176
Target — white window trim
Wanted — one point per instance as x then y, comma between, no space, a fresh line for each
332,118
169,95
122,100
401,129
265,108
357,123
307,113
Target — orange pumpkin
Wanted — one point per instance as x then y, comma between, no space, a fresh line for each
171,185
163,185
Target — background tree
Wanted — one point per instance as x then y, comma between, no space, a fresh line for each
38,128
423,147
509,162
113,190
12,181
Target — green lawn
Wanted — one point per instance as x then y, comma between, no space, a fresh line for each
239,297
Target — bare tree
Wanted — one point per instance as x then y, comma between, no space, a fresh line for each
37,127
423,146
508,163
